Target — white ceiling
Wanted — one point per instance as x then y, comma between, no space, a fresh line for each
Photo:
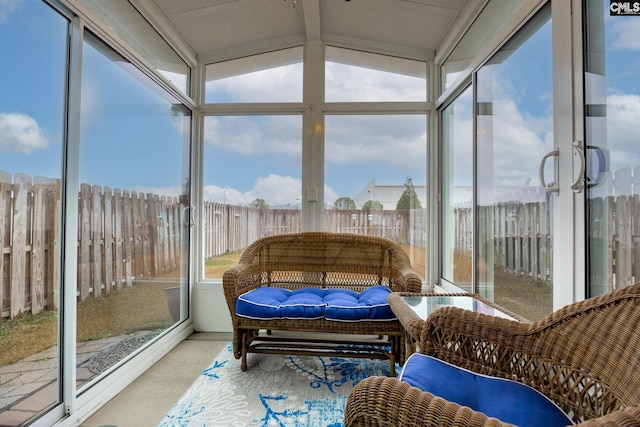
221,29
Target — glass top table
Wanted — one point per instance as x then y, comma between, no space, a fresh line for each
412,310
424,305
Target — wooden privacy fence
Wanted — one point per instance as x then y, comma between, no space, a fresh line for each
122,235
519,236
514,231
125,235
231,228
29,230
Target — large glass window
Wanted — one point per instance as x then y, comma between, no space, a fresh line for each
514,115
251,184
133,207
354,76
612,110
457,191
375,179
33,42
269,77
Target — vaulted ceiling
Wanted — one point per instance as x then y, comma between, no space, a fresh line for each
220,29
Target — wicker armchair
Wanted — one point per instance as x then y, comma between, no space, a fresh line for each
585,357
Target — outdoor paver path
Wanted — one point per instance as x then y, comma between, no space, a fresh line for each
29,387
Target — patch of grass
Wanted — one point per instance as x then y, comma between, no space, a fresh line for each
26,335
215,267
219,262
140,307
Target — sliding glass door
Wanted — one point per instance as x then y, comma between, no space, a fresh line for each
32,105
512,171
133,211
612,113
514,132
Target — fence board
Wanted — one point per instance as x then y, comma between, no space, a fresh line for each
118,238
108,240
97,261
84,266
5,218
54,237
41,189
127,237
137,221
18,243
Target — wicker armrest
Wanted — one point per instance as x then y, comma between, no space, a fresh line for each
237,280
407,280
624,418
466,329
384,401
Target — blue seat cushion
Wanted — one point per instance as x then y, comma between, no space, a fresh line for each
509,401
342,305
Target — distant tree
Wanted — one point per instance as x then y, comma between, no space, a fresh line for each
344,203
259,204
372,205
409,198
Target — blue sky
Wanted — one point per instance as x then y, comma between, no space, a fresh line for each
260,157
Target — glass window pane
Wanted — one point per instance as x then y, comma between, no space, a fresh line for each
457,191
125,20
270,77
375,179
33,41
251,184
612,111
514,132
354,76
133,198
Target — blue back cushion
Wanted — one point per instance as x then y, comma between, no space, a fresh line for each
343,305
509,401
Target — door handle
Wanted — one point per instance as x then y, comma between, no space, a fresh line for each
602,157
578,184
552,187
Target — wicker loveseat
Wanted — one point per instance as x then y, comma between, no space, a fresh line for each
317,262
584,357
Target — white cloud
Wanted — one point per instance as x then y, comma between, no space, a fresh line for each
348,83
280,84
276,190
6,7
519,144
20,133
254,136
397,141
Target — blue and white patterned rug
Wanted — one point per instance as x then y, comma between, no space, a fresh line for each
276,390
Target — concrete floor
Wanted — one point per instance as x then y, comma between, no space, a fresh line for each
147,400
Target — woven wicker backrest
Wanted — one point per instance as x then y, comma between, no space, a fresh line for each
325,259
596,343
586,356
